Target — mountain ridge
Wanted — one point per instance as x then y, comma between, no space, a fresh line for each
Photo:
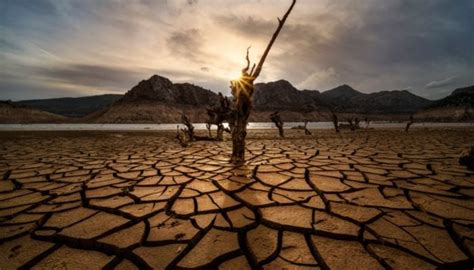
158,99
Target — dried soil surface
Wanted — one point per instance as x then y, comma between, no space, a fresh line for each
125,200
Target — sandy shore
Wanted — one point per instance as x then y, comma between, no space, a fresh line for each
128,200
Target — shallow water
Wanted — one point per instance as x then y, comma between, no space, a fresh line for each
252,125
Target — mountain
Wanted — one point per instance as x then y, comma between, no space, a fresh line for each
281,95
161,89
459,106
345,99
461,97
11,112
158,100
72,107
341,94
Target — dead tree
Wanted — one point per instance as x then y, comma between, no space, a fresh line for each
218,115
242,91
276,119
306,130
181,135
467,159
189,126
351,124
367,123
335,121
208,127
409,123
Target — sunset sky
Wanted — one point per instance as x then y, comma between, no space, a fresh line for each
57,48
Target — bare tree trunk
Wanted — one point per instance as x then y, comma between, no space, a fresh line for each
208,126
220,132
409,123
306,130
242,90
335,121
181,136
275,117
189,125
367,123
239,130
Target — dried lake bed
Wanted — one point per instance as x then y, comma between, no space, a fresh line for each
370,199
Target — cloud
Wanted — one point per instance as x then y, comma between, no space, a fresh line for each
325,78
192,2
91,75
186,44
88,46
441,83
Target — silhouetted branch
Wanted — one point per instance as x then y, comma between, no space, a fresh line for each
269,46
246,69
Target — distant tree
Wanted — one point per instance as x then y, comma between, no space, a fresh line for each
356,123
218,115
467,159
409,123
276,119
306,130
189,126
335,121
182,137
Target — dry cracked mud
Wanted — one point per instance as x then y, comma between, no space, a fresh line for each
126,200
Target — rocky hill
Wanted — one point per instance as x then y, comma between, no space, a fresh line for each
72,107
459,106
12,113
158,100
345,100
281,96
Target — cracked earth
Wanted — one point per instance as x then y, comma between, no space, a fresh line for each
126,200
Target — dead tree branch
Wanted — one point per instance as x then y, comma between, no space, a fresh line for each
270,44
276,119
409,123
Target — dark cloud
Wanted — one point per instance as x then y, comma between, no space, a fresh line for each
23,89
192,2
90,75
373,45
246,25
186,44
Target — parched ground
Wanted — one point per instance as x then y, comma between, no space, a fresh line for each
124,200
